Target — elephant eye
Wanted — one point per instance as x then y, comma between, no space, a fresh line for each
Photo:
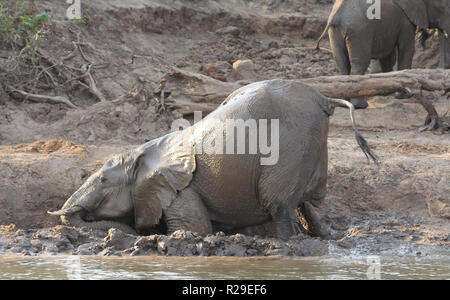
103,179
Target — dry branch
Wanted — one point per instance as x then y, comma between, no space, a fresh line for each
68,73
91,85
82,114
41,98
447,92
188,92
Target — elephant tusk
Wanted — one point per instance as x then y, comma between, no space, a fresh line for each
67,211
445,34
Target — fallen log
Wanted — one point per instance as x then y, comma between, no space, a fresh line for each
188,92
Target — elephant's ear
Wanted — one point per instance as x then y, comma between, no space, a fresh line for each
416,11
162,168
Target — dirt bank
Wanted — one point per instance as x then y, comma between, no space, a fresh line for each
48,150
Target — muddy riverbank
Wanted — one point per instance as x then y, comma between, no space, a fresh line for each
47,150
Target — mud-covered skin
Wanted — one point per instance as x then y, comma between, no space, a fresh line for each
234,185
170,179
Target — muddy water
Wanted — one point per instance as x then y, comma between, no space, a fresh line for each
223,268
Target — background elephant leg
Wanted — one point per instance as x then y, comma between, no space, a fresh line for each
444,62
188,212
387,63
406,48
360,55
360,49
339,49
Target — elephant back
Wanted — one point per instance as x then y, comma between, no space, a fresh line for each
234,180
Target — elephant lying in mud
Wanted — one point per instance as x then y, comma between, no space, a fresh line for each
360,31
170,182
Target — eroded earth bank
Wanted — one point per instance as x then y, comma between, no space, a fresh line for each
400,207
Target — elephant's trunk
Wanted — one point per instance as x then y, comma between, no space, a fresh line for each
77,221
87,199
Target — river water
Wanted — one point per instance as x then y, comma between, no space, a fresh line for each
192,268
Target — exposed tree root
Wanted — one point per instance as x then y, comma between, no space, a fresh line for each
133,93
58,74
91,86
40,98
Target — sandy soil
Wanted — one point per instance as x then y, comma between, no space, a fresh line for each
47,151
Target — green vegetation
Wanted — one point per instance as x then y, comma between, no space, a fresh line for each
21,25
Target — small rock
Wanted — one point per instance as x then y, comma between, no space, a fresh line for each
220,234
277,252
171,251
235,250
243,70
231,30
273,45
252,252
84,251
162,247
199,247
106,252
182,234
145,245
119,240
136,252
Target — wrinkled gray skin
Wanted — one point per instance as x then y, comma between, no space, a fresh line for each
166,180
355,39
444,62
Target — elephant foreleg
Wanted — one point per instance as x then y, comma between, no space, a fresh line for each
286,223
359,52
188,212
339,49
387,63
406,47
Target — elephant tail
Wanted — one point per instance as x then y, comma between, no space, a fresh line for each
361,141
322,36
331,22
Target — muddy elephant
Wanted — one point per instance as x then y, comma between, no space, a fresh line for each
252,162
359,31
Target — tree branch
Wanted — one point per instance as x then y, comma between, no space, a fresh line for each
41,98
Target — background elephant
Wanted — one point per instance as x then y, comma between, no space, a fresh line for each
356,39
444,62
169,181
